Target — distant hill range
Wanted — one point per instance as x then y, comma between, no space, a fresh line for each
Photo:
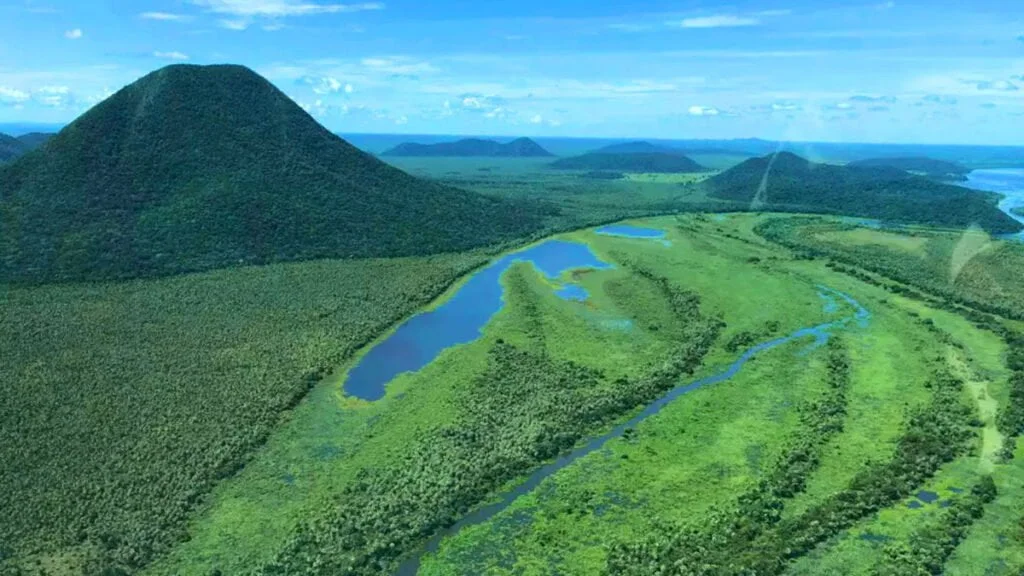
643,147
471,147
934,169
785,181
12,147
199,167
661,162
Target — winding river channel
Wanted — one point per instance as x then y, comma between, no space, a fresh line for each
819,333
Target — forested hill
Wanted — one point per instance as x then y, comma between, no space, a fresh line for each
200,167
785,181
10,147
930,167
34,140
638,147
518,148
630,162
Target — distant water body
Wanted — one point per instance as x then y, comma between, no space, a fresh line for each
1007,181
460,319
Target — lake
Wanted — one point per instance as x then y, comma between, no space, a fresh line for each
1007,181
460,318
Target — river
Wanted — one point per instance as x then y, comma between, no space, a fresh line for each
1006,181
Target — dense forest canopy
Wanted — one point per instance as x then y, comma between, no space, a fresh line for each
930,167
200,167
630,162
518,148
785,181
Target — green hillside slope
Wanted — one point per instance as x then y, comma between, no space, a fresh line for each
193,168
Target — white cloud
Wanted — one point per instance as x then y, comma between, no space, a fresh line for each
170,55
74,34
321,84
537,119
166,16
785,106
402,120
10,96
719,21
997,85
53,96
349,89
234,24
281,8
703,111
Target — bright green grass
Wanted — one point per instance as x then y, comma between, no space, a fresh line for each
703,449
991,547
912,244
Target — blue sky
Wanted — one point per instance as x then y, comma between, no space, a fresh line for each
877,71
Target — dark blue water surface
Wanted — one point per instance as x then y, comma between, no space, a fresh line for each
631,231
419,340
1009,182
820,333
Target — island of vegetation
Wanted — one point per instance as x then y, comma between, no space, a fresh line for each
787,182
472,147
942,170
194,168
645,162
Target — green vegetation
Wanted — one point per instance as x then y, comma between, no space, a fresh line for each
34,140
518,148
786,472
789,183
603,175
524,409
194,168
931,545
653,162
10,147
965,267
129,401
935,169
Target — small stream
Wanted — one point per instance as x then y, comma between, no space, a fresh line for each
820,333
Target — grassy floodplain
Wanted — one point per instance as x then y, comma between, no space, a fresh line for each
346,486
710,445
